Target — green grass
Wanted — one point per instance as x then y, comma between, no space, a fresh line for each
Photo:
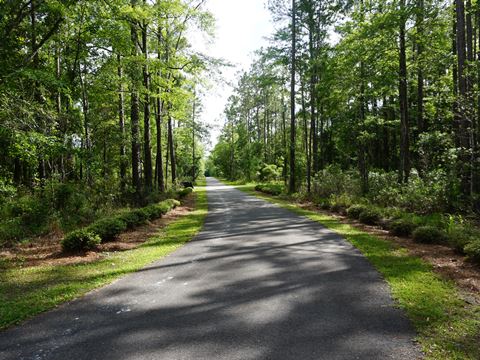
447,326
25,292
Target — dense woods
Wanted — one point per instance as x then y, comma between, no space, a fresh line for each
98,107
384,108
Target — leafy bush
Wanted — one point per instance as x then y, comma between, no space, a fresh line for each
429,235
108,229
354,211
270,172
270,189
473,250
80,240
130,218
370,216
185,192
459,238
335,181
169,204
154,211
402,227
142,216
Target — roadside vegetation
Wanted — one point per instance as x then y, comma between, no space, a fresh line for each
418,209
27,291
448,326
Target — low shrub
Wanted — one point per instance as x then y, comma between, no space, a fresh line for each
80,240
473,250
142,215
402,227
459,238
130,218
354,211
155,211
337,208
429,235
270,189
185,192
108,229
370,217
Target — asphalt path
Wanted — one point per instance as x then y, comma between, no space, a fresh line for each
259,282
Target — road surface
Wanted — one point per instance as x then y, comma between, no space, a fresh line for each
259,282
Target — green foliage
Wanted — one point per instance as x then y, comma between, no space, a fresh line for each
108,229
334,181
473,250
269,172
429,235
354,211
185,192
131,219
271,189
80,240
402,227
370,216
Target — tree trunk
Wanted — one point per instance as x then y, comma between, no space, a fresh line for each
135,113
463,134
121,127
171,138
292,185
404,171
158,122
147,151
420,78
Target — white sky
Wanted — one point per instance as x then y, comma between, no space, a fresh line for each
241,28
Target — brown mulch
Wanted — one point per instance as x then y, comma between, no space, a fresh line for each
47,251
444,260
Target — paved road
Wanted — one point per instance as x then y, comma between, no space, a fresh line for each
258,283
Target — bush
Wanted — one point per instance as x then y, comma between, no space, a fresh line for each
80,240
185,192
354,211
130,218
402,227
429,235
168,205
154,211
370,217
473,250
108,229
335,181
270,189
142,215
459,238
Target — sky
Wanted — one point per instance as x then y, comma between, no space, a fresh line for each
241,28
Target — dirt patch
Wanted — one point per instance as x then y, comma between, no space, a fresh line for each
46,250
445,260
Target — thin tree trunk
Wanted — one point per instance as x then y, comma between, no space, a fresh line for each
171,138
158,122
135,113
463,135
292,185
404,171
121,127
147,151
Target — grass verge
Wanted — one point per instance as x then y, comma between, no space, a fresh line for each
25,292
448,327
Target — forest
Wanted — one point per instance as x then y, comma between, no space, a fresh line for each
336,216
99,108
366,107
